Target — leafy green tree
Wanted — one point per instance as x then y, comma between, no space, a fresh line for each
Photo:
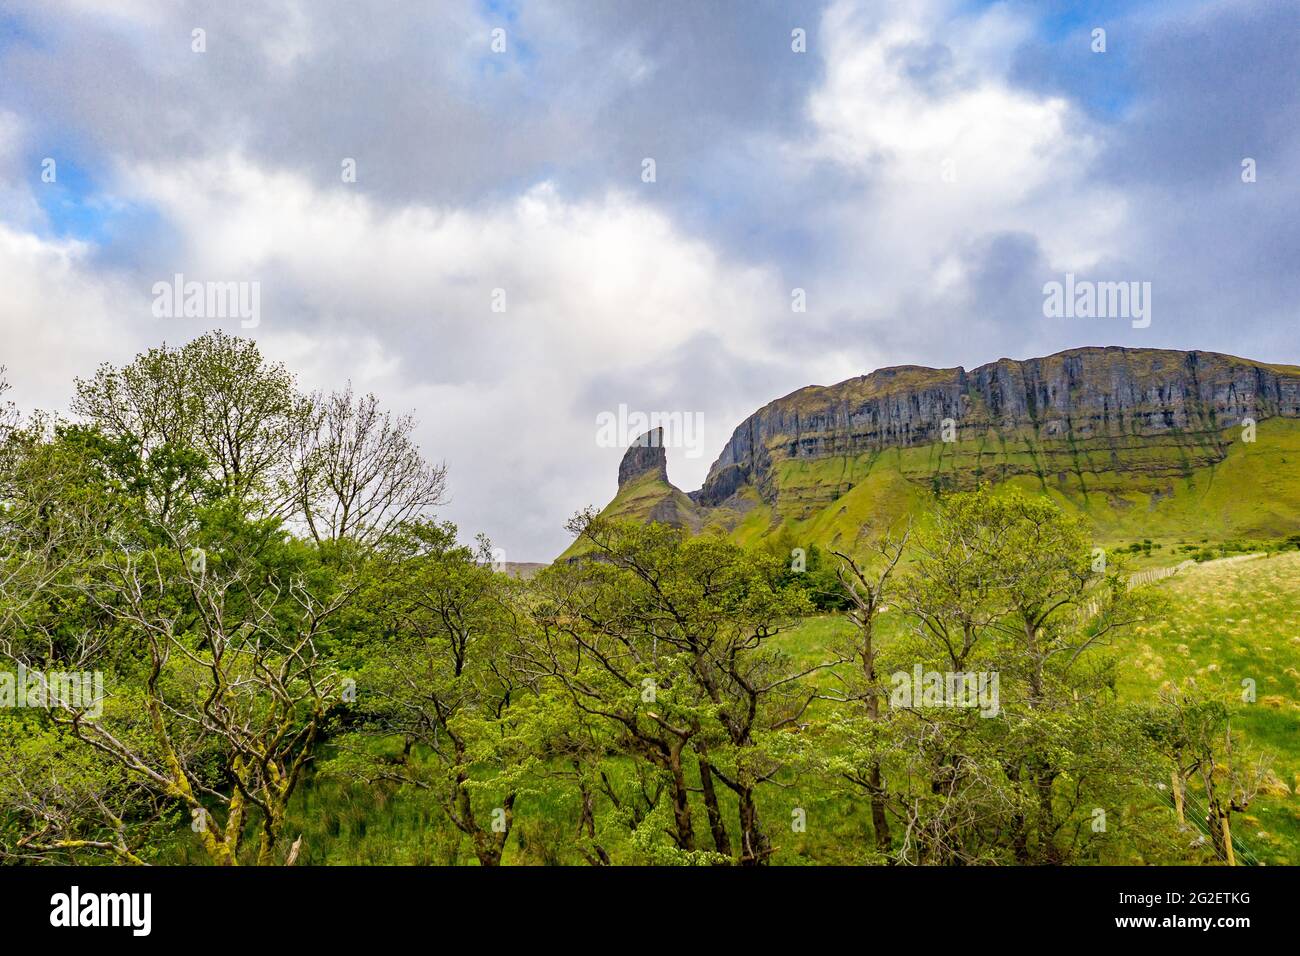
63,803
680,630
214,397
866,587
439,684
148,543
1193,729
1008,586
585,640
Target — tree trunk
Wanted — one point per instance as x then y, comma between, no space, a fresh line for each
1020,840
1047,848
596,856
1227,838
681,803
879,821
721,839
755,848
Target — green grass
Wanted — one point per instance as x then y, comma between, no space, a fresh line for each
1176,489
645,499
1229,622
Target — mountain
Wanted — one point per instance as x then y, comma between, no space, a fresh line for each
1146,443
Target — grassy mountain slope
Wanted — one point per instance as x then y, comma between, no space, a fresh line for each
1231,621
1166,488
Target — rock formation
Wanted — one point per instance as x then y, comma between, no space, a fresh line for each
644,456
1079,395
1141,442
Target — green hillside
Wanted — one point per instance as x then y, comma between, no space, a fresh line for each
1229,622
1174,488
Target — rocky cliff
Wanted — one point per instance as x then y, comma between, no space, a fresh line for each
645,456
1143,442
1079,396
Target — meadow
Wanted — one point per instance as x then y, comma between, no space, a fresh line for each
1235,625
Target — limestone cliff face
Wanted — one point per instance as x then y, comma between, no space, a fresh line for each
644,456
644,492
1137,442
1099,397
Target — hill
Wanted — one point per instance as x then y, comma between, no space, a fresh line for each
1146,443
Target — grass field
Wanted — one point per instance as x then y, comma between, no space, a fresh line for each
1229,621
1233,621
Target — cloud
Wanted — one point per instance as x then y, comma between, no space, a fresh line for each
58,315
920,90
399,300
920,172
945,167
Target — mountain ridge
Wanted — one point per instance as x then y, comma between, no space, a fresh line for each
938,396
1107,427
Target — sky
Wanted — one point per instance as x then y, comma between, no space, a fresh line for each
504,266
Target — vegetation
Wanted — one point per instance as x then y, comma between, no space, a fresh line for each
1172,490
299,662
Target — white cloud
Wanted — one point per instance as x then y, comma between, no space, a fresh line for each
609,280
59,316
18,207
917,103
924,87
399,300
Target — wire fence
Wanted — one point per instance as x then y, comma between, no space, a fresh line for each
1197,814
1152,575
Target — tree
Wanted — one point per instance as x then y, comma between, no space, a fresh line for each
358,471
1193,729
867,589
215,397
9,416
438,683
1003,588
584,641
230,704
203,618
690,622
64,803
